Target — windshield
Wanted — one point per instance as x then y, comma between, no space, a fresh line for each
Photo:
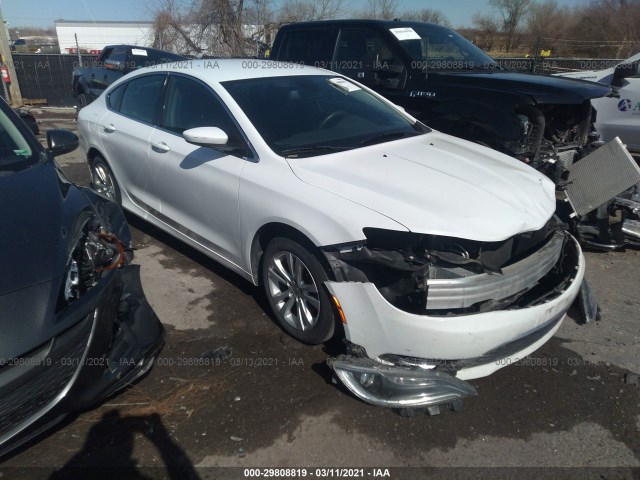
302,116
15,152
438,48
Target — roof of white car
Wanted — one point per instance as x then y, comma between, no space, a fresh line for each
222,70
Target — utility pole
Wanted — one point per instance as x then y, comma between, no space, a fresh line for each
7,60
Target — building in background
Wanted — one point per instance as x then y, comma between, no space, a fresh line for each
94,36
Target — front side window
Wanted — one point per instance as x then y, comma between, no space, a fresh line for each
141,99
15,151
190,104
301,116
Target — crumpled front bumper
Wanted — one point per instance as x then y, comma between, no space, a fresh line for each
114,341
405,349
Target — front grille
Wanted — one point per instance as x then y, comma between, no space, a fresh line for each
46,380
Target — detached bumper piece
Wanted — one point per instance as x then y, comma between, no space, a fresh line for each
399,387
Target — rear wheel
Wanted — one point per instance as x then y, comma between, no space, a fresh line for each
103,181
293,280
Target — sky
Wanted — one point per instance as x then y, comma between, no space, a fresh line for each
42,13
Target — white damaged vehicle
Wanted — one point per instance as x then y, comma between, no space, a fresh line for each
617,116
437,259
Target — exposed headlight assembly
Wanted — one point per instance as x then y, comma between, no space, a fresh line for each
399,387
96,250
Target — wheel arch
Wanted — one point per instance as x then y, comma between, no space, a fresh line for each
92,153
274,229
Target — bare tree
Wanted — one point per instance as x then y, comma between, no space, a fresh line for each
512,13
606,28
216,27
488,30
549,22
427,15
381,9
304,10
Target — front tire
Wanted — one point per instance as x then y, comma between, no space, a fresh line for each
293,280
103,181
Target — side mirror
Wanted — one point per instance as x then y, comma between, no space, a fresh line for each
61,141
114,65
206,137
625,70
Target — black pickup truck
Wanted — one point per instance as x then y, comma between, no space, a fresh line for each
114,62
447,82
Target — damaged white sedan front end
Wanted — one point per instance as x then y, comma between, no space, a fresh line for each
432,318
439,260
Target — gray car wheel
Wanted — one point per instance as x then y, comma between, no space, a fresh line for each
103,181
293,281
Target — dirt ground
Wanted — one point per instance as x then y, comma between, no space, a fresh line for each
230,389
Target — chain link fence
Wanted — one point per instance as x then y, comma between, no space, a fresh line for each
45,79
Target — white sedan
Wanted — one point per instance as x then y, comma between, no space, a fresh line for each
618,116
438,260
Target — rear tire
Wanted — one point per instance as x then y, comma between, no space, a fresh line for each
293,281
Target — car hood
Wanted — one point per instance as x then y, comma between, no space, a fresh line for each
542,88
601,76
38,214
41,218
437,184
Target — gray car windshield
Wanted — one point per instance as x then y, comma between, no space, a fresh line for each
303,116
15,151
438,48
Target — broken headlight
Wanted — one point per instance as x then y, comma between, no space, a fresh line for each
405,266
95,251
398,387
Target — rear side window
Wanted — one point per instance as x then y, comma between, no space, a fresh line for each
311,47
115,97
142,98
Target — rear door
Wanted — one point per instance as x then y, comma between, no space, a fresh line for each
125,130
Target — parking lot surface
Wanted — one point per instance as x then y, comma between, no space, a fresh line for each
230,389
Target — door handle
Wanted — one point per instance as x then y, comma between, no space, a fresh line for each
109,128
160,147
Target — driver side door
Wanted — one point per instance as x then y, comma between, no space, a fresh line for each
197,187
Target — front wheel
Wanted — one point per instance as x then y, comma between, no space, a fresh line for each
293,280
